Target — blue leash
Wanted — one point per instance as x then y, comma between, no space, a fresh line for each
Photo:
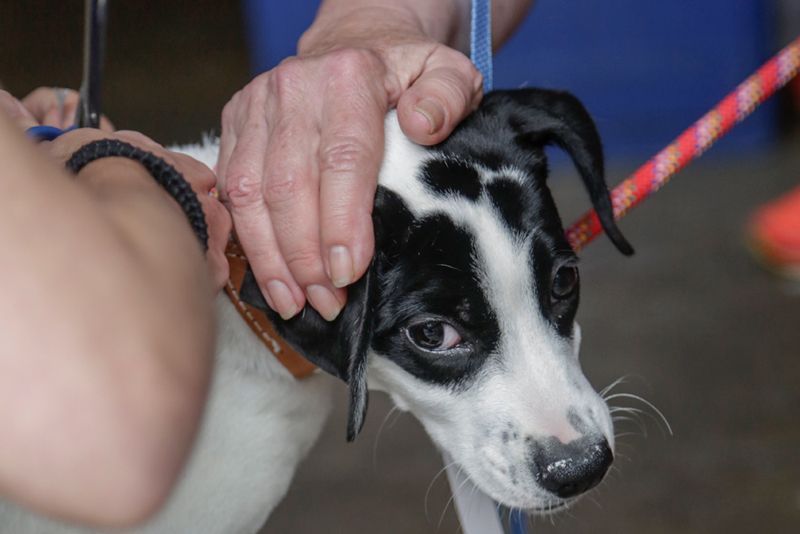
480,40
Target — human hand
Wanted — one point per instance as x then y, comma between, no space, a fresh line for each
50,106
57,106
302,144
199,176
17,112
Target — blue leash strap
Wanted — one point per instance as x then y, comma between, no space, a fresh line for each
517,522
480,40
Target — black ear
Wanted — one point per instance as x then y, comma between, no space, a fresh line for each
540,117
339,347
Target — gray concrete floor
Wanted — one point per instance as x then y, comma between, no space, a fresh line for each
702,332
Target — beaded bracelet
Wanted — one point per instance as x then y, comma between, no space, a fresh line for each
162,172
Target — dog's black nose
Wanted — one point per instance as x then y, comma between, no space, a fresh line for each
569,470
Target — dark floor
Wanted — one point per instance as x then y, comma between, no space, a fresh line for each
702,332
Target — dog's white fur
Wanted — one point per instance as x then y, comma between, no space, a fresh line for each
260,422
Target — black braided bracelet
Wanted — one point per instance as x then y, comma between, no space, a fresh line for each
162,172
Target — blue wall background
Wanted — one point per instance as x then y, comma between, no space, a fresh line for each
645,70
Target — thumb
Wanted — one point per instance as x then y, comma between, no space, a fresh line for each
438,100
16,111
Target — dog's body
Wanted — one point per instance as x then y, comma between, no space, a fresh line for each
466,319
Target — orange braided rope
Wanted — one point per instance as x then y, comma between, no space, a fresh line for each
733,109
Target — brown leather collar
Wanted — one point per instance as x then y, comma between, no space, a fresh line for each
257,320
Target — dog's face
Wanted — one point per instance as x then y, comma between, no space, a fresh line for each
466,317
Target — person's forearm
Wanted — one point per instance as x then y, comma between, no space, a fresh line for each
445,21
107,320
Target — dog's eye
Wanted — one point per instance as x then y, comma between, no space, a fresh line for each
564,282
433,335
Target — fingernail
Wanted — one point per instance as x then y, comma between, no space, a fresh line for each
433,113
281,300
323,301
270,303
341,266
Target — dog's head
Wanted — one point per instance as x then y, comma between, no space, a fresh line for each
466,315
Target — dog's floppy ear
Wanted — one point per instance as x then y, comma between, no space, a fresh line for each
339,347
539,117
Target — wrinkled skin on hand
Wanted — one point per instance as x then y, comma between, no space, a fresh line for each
302,144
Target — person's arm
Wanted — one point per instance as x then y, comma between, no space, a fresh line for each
301,144
445,21
107,331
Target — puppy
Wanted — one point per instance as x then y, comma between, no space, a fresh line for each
466,318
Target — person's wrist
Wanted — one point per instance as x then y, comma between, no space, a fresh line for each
115,168
163,172
368,27
115,173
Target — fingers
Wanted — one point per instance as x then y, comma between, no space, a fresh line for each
58,106
53,106
350,152
245,197
291,193
227,141
299,157
16,111
448,89
218,220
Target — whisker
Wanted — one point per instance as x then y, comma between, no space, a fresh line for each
430,487
448,266
595,501
635,420
450,500
612,385
620,456
394,410
646,403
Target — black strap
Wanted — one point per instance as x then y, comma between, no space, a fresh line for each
162,172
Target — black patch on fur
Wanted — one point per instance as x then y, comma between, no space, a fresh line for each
516,205
549,253
507,196
431,275
519,124
451,177
490,159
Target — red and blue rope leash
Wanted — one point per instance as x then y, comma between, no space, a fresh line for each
693,142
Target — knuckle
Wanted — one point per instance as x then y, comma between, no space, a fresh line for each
352,62
281,188
241,188
342,156
287,76
304,264
229,110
